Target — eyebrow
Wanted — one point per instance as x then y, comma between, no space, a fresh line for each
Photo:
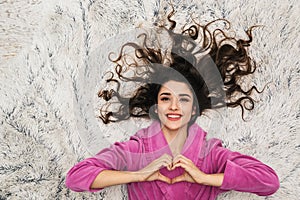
181,95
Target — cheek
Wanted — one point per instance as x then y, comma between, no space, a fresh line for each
189,109
160,113
159,108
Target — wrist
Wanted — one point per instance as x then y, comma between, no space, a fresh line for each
136,176
213,179
202,179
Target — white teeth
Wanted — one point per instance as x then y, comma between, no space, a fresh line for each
174,116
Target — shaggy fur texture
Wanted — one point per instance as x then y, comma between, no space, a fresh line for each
49,83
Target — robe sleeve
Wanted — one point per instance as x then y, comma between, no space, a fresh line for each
117,157
244,173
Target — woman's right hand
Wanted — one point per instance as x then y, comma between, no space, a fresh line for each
151,171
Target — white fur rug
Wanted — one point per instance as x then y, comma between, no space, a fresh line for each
52,55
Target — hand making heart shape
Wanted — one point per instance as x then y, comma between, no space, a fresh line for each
191,174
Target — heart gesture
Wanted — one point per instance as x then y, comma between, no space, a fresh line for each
191,173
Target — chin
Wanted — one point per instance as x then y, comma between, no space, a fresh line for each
173,127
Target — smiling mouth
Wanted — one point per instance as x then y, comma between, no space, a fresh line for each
173,117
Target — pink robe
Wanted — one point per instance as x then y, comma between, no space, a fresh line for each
241,173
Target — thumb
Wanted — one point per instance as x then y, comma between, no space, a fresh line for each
163,178
178,179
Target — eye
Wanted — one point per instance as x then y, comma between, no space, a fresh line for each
184,100
165,99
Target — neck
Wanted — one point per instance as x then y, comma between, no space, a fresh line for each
175,139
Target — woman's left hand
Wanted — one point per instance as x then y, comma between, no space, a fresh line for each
193,174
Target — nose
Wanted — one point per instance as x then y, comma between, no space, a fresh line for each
174,104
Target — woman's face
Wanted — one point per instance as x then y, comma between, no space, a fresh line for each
175,105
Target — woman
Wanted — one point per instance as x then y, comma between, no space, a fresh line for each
171,159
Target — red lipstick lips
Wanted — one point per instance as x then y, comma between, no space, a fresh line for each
173,116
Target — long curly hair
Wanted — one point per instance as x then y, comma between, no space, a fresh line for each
209,61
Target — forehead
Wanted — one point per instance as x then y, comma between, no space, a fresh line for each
176,88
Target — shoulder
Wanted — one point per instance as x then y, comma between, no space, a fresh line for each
207,145
211,146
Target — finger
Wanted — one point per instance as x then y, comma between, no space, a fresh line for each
192,174
167,164
167,158
167,161
178,159
169,167
164,157
186,166
163,178
181,158
190,169
178,179
160,159
179,164
164,160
